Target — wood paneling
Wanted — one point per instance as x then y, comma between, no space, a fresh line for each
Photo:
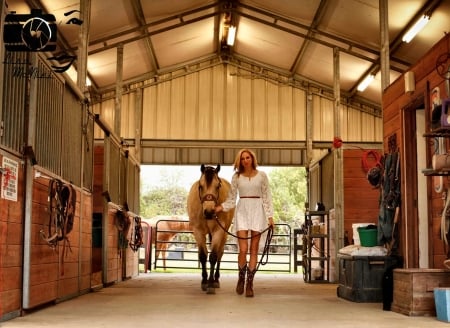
360,197
396,104
11,241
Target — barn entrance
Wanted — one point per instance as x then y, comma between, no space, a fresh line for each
163,207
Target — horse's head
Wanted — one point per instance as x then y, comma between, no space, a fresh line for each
208,189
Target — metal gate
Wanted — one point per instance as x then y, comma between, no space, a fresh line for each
177,249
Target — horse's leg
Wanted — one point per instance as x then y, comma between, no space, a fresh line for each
219,250
202,256
200,239
217,275
212,264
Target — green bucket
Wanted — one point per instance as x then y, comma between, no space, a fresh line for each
368,236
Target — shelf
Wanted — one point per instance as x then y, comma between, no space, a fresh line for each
431,172
321,254
317,235
318,258
439,132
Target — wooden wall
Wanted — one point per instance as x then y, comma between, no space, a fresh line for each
398,118
53,274
119,261
361,199
11,241
63,272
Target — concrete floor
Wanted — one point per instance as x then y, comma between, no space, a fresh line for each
176,300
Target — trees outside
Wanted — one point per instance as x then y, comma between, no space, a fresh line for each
289,194
167,195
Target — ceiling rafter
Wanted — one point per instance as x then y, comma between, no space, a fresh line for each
397,42
321,10
148,42
351,46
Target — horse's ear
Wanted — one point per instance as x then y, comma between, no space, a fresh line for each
218,168
202,168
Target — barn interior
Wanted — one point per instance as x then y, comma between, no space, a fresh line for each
96,89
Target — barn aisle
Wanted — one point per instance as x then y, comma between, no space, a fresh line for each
175,300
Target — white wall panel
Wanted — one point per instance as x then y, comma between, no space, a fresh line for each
323,119
162,110
177,106
218,110
148,113
260,111
231,119
204,118
299,114
223,103
273,101
354,128
245,109
191,106
286,117
128,119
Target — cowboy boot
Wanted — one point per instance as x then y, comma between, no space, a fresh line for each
249,287
241,281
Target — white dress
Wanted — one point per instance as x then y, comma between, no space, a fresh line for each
254,206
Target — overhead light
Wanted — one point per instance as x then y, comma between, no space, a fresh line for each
365,83
420,24
231,35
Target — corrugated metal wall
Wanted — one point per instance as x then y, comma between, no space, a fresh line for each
121,174
35,94
198,116
13,108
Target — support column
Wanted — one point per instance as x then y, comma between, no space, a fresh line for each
384,49
138,125
119,85
338,158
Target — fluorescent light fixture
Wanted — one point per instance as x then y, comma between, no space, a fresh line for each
365,83
420,24
231,35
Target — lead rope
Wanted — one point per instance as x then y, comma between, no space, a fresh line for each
265,254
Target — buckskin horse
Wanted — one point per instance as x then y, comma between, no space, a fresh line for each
209,191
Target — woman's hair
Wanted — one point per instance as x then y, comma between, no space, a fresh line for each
238,168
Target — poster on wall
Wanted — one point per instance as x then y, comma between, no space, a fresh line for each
9,179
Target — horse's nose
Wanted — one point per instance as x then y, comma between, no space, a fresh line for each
209,214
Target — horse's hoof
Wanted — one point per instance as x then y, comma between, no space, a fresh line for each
204,287
211,290
216,284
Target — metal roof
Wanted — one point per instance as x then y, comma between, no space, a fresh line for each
294,39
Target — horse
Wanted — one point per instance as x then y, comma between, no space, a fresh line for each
209,191
164,228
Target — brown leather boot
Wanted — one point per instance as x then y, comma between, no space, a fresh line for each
241,280
249,287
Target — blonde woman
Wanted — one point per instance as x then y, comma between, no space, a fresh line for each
253,214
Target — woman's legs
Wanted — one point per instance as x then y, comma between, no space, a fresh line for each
254,247
242,261
243,247
251,270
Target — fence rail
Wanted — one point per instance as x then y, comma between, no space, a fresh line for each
177,249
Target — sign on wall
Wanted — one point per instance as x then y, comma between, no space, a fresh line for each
9,179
